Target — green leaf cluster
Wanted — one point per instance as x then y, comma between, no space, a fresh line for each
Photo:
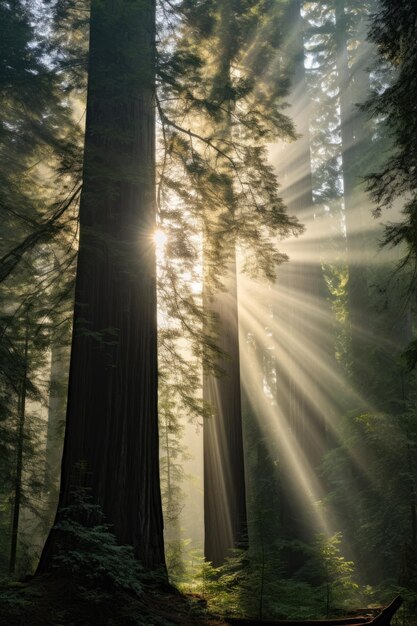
89,553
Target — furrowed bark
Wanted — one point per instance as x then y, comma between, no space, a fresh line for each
111,440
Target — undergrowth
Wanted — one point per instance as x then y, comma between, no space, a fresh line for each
93,581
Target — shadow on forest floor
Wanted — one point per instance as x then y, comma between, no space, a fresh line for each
48,600
60,601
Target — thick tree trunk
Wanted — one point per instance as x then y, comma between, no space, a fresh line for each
224,473
111,430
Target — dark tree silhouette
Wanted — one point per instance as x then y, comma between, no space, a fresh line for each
111,440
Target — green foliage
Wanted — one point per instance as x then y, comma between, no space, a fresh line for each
40,154
12,601
21,436
253,583
337,277
337,585
89,552
372,476
393,30
217,120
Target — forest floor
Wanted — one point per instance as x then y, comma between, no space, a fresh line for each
50,601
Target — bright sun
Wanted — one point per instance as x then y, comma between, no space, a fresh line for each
160,238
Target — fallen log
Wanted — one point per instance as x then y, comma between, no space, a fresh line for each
385,617
382,619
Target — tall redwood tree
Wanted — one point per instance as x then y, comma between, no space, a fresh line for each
225,523
111,439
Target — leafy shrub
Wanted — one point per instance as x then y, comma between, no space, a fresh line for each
88,550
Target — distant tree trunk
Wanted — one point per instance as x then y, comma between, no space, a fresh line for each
57,400
301,279
305,278
353,89
112,427
224,473
21,414
56,420
172,494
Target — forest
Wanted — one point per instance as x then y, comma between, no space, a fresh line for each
208,315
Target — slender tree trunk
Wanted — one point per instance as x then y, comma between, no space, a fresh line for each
172,499
224,474
112,428
58,385
56,419
21,414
